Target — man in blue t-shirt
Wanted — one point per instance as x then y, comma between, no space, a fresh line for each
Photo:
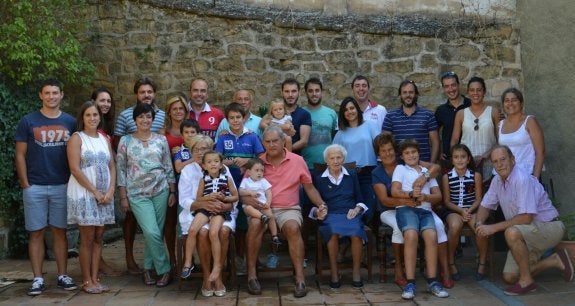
323,126
410,121
43,173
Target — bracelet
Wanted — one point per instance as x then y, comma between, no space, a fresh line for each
172,192
124,198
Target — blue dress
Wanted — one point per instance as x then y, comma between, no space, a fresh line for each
339,200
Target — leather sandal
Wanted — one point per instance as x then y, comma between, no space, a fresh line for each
147,277
165,280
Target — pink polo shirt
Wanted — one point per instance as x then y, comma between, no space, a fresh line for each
286,179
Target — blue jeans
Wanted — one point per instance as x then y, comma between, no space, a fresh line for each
151,215
413,218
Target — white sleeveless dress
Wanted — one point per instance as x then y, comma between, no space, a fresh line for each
83,208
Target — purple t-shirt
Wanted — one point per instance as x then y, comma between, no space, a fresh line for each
521,193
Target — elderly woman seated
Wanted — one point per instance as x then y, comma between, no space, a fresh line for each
340,190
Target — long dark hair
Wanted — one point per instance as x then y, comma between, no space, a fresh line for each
80,117
342,122
108,120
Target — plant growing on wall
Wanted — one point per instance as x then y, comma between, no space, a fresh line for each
37,42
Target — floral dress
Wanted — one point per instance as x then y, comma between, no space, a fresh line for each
83,209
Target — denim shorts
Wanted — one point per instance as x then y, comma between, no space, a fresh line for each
413,218
45,204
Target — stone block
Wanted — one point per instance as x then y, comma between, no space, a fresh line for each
228,64
370,55
279,54
333,43
186,53
500,53
426,82
309,67
427,61
177,26
256,65
458,53
201,65
399,47
211,48
499,86
285,64
242,49
394,67
491,71
265,39
141,39
305,43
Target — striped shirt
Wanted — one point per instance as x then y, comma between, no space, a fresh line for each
416,126
125,123
461,188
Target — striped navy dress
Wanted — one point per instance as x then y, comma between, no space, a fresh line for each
462,188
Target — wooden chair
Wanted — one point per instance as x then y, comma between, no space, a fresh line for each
368,264
384,232
230,269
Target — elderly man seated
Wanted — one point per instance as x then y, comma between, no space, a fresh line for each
531,224
285,171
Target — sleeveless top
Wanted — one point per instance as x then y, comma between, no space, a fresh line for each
174,141
481,140
520,144
461,188
218,184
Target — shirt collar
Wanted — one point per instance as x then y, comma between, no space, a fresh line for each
327,174
453,173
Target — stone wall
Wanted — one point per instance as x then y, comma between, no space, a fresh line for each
257,44
547,56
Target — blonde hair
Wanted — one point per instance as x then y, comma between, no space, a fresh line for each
201,138
169,103
274,103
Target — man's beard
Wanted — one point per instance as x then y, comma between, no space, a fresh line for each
314,103
413,102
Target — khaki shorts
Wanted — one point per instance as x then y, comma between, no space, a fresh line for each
282,215
539,237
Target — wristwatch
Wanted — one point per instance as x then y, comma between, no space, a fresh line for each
426,175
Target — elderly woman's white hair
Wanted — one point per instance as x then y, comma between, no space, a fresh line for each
334,147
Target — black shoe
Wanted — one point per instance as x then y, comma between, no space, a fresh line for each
357,284
299,290
265,219
334,285
254,287
479,276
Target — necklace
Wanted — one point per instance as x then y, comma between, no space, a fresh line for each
144,140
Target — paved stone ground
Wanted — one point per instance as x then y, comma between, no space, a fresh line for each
278,288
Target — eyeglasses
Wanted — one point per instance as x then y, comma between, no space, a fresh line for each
448,74
476,121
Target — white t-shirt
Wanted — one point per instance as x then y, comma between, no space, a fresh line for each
406,175
258,186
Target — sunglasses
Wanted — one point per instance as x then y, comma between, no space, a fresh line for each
448,74
476,127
